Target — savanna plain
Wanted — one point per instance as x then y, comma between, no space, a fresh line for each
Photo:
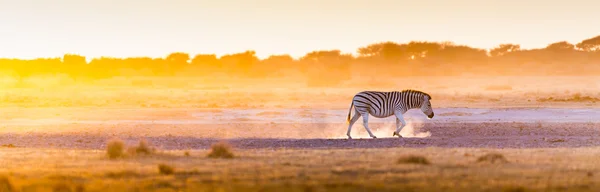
526,133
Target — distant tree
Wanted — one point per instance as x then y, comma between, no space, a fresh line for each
178,58
205,59
74,65
457,59
420,49
323,59
591,44
387,50
136,63
74,59
203,64
326,63
561,45
503,49
176,62
99,66
279,59
240,63
381,59
277,65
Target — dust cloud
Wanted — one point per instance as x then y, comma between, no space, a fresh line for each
411,130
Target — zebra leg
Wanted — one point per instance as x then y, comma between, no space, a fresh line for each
397,127
352,121
366,124
400,123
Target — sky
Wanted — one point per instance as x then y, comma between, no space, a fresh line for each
155,28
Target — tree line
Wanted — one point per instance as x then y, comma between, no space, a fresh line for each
416,58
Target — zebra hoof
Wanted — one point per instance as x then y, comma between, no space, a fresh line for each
399,136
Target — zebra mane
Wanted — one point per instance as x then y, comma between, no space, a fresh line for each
415,91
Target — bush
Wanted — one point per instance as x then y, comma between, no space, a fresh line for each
221,150
143,148
114,148
492,158
5,184
165,169
413,159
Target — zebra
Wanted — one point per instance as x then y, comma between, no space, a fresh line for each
385,104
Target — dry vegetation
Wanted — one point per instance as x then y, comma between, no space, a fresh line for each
8,145
114,148
143,148
577,97
165,169
413,159
316,170
221,150
492,158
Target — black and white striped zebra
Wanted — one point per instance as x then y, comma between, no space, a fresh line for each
385,104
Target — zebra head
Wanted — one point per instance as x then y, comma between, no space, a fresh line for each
426,107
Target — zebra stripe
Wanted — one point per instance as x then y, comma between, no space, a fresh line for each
384,104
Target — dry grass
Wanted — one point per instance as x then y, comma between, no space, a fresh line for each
165,169
554,140
62,187
143,148
114,148
8,145
221,150
5,185
413,159
514,189
492,158
577,97
304,169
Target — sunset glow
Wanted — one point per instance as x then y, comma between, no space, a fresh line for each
299,95
155,28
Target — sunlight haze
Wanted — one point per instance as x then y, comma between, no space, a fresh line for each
93,28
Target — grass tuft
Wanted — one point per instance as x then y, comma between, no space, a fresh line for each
5,184
8,145
165,169
114,148
492,158
514,189
143,148
61,187
221,150
413,159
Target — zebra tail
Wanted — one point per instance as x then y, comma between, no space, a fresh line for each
350,112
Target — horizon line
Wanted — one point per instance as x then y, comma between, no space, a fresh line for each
262,57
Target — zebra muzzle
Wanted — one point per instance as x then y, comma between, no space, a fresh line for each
430,116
